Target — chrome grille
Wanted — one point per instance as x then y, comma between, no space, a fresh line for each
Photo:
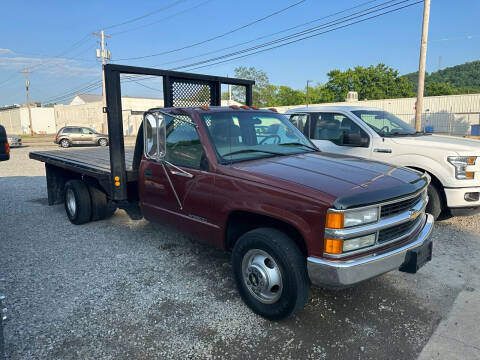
397,231
400,206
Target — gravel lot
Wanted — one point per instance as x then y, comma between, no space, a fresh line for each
132,289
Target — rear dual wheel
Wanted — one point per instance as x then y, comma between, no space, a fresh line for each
84,203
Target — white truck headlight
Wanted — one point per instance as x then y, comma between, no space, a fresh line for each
358,243
460,163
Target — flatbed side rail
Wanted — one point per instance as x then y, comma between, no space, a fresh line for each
173,83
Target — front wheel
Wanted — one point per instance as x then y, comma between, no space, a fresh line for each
270,272
103,142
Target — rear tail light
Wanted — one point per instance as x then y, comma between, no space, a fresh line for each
56,138
7,148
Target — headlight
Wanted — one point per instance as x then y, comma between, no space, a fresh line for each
337,220
460,163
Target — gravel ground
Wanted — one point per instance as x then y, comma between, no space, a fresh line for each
120,289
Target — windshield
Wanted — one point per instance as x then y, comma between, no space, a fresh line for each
384,123
239,136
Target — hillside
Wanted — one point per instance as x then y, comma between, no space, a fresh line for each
458,79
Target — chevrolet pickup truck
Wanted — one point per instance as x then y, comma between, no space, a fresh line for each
247,181
453,163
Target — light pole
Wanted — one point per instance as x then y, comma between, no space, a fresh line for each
306,97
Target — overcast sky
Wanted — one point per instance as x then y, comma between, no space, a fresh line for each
52,38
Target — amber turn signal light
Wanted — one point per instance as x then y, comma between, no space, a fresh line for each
334,220
333,246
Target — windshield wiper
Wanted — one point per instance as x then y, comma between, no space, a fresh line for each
299,144
252,150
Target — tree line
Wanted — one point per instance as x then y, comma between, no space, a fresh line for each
371,83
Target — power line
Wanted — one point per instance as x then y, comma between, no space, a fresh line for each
310,36
145,15
291,36
271,34
216,36
298,34
206,63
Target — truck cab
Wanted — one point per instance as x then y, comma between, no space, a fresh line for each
248,181
452,162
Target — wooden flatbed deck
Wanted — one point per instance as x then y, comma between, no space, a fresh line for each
92,161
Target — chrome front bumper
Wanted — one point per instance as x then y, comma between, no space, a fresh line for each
338,273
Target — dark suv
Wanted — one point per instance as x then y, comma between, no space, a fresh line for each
4,147
77,135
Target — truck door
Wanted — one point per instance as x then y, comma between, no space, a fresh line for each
178,190
337,133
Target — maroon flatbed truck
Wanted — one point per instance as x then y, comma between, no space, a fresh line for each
246,180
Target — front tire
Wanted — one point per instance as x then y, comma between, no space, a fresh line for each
270,272
103,142
78,205
435,203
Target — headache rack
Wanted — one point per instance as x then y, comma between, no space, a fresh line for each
180,89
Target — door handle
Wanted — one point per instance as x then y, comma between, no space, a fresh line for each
386,151
148,173
182,173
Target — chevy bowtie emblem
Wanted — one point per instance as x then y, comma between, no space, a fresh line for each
414,214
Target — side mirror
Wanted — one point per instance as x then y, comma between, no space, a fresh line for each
154,136
355,140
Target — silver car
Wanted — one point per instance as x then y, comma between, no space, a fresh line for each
78,135
14,141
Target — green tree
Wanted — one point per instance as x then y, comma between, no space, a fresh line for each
320,94
373,82
288,96
461,79
433,88
260,89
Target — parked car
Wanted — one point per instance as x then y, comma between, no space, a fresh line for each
453,163
14,141
77,135
247,180
4,146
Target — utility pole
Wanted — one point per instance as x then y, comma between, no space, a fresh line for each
306,95
103,54
421,66
27,86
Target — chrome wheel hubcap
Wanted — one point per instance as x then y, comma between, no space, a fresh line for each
71,204
262,276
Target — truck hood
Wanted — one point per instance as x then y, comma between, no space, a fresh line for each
348,180
448,143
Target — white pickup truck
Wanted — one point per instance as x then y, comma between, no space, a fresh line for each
452,162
